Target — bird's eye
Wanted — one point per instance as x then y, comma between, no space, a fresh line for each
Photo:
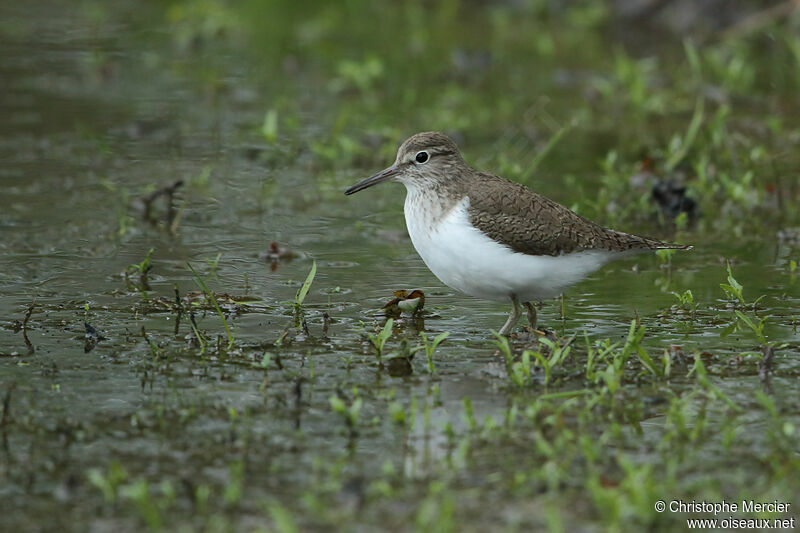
421,157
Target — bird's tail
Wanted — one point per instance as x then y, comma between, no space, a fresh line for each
654,244
641,243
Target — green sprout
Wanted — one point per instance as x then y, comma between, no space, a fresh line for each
213,301
558,354
430,347
758,329
349,413
302,292
685,299
142,268
213,264
269,129
379,341
733,289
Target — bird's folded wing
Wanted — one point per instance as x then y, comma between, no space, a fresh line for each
530,223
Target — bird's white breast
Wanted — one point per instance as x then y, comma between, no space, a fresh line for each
464,258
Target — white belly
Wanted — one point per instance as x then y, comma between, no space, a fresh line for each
467,260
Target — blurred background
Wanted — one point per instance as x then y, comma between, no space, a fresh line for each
596,100
137,137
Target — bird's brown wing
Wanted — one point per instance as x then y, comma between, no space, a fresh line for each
530,223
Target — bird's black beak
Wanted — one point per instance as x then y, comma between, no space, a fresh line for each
380,177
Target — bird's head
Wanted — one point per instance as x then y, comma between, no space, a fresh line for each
427,158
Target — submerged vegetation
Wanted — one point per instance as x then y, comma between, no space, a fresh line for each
205,145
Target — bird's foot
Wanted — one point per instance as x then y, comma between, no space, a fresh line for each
532,315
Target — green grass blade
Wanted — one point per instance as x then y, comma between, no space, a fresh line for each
551,143
211,297
301,294
691,134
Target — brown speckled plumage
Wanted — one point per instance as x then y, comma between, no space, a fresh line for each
530,223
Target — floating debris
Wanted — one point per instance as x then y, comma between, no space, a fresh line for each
765,364
404,301
676,354
28,344
276,254
92,337
199,299
170,217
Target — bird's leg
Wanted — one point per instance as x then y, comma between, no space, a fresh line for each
513,318
531,316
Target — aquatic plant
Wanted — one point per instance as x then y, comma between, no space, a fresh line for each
211,298
302,292
733,289
143,269
430,347
348,413
378,340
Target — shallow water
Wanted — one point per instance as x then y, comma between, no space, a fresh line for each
99,112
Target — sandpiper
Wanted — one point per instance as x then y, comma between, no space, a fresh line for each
493,238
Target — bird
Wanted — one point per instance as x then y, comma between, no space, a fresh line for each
493,238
